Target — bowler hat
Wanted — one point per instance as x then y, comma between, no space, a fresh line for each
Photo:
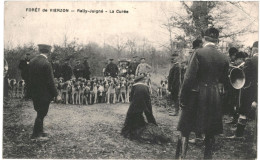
44,48
139,78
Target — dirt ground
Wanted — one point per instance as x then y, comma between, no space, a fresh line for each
94,132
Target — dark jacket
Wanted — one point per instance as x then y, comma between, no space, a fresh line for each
41,81
249,92
132,67
86,70
56,70
111,70
66,72
79,71
206,70
175,79
24,67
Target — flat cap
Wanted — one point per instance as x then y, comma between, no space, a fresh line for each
212,33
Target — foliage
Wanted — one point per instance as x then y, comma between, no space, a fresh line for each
97,55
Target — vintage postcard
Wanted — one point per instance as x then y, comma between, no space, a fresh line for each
130,80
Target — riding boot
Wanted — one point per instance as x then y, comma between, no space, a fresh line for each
37,128
178,148
184,146
240,130
208,148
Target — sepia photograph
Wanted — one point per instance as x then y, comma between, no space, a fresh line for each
130,80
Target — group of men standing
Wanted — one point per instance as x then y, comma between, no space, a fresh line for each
135,68
59,70
200,92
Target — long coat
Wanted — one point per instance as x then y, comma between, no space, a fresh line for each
207,69
41,81
174,80
249,92
111,70
140,103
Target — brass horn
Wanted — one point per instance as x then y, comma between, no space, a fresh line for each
237,76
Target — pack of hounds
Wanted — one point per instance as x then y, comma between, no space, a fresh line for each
86,92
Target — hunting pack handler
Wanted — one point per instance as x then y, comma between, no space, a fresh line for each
41,89
200,99
143,68
111,69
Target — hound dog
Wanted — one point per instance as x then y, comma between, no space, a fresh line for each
162,89
20,89
111,93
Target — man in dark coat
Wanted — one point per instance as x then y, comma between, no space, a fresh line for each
56,69
133,65
174,83
78,70
111,69
140,103
86,69
41,89
204,78
66,70
248,94
24,68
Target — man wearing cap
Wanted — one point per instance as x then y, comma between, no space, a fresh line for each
41,88
174,83
78,70
24,67
87,72
140,102
111,69
248,92
208,72
133,65
143,68
66,70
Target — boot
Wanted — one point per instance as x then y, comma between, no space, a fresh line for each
182,146
208,148
37,128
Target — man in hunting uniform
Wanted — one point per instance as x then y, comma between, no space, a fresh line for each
205,76
174,82
133,65
111,69
86,69
248,92
78,70
42,89
66,70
